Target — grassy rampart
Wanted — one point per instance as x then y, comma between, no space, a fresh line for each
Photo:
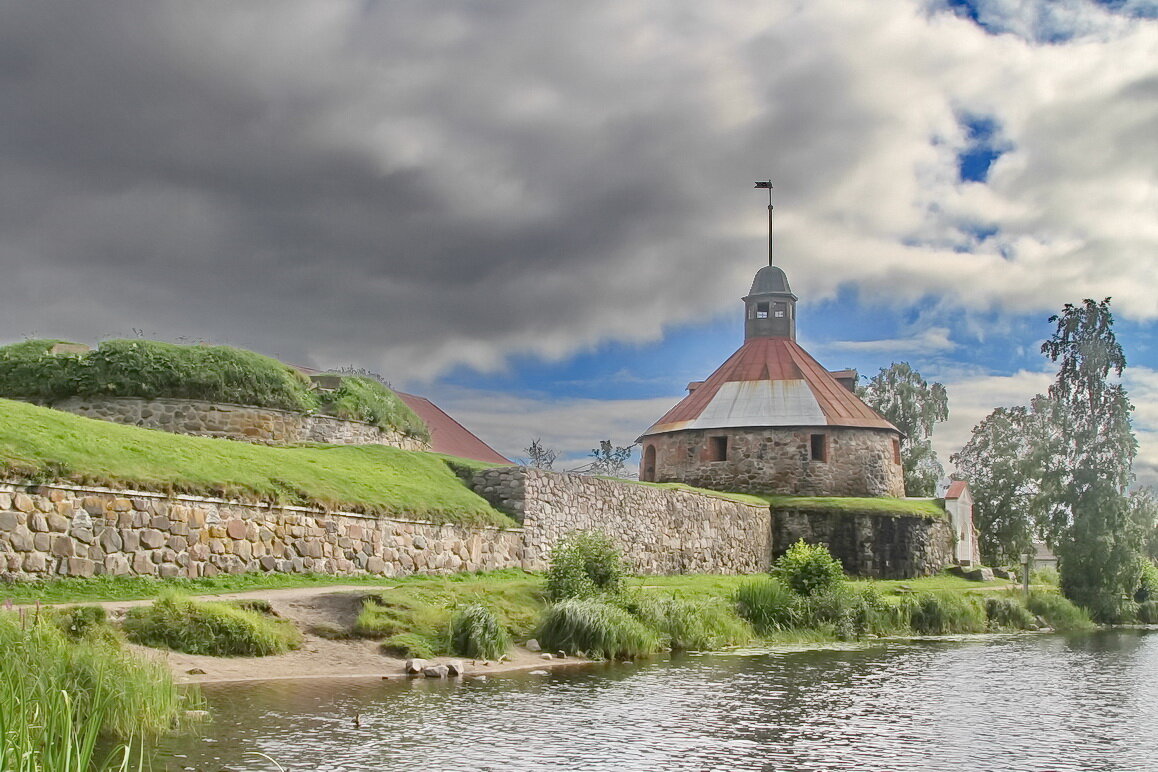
47,445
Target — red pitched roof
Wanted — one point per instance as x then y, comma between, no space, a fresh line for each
449,436
770,382
956,488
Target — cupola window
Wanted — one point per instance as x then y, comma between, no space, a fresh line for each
761,310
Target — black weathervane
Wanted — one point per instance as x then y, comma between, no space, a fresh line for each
768,185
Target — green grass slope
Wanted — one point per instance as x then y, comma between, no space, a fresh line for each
49,445
930,508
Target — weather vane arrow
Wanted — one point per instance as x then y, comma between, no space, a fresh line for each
768,185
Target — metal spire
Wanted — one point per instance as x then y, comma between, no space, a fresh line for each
768,184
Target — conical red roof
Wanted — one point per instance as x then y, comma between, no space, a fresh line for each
769,382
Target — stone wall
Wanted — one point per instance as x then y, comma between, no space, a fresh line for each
885,546
235,422
661,531
858,462
61,530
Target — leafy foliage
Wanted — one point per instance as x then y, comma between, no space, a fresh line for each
1007,613
1059,612
476,632
809,568
362,398
1088,517
1148,582
914,406
584,564
216,629
946,613
600,629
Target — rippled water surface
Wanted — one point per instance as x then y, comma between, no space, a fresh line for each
1029,702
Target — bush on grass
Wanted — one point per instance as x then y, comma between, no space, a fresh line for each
809,568
1059,612
215,629
1148,612
584,564
767,604
688,625
874,614
1046,575
600,629
79,622
476,632
945,614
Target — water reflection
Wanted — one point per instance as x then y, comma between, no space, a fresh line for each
998,703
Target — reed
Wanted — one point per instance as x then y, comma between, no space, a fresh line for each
62,698
689,625
946,613
1059,612
476,632
768,605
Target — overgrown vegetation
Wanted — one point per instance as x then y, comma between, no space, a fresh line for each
584,564
62,696
216,629
45,445
597,628
928,508
1059,612
946,613
365,399
809,568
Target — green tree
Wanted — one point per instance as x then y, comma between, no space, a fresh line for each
1086,513
1144,511
999,463
914,406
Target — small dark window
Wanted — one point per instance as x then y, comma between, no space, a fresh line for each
761,310
780,310
819,447
717,448
896,451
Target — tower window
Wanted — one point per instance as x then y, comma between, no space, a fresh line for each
717,448
761,310
819,445
780,310
896,451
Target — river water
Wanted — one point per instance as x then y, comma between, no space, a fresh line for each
1019,702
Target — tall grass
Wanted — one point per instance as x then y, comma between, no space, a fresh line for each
768,605
1008,613
1059,612
217,629
61,697
688,625
597,628
475,631
946,613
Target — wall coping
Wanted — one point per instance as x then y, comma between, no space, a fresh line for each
186,497
632,485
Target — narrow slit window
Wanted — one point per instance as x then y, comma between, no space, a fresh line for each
717,448
819,445
896,451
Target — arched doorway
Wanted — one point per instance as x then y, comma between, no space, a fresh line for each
647,468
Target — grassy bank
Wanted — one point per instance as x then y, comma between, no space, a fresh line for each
63,697
48,445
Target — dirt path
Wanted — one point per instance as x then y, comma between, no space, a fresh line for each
310,607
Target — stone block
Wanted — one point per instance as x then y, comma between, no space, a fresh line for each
143,565
152,538
41,542
80,567
57,524
23,502
35,563
110,540
63,547
160,523
130,539
5,500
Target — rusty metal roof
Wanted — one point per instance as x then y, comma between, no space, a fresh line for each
770,382
448,435
956,489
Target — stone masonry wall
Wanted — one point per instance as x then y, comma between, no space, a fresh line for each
236,422
62,530
859,462
883,546
661,531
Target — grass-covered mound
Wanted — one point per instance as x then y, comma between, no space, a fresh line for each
929,508
62,695
216,629
48,445
152,369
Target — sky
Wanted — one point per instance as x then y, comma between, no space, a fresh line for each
542,215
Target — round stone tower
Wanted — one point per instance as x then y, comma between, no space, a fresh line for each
772,420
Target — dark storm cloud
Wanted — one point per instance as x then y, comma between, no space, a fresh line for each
410,185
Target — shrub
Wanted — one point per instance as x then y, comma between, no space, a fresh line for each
1047,575
767,604
832,609
476,632
1148,584
584,564
687,625
78,622
873,614
595,627
29,371
809,568
1058,611
945,613
1148,612
365,399
216,629
1007,613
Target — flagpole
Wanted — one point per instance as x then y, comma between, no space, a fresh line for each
768,184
